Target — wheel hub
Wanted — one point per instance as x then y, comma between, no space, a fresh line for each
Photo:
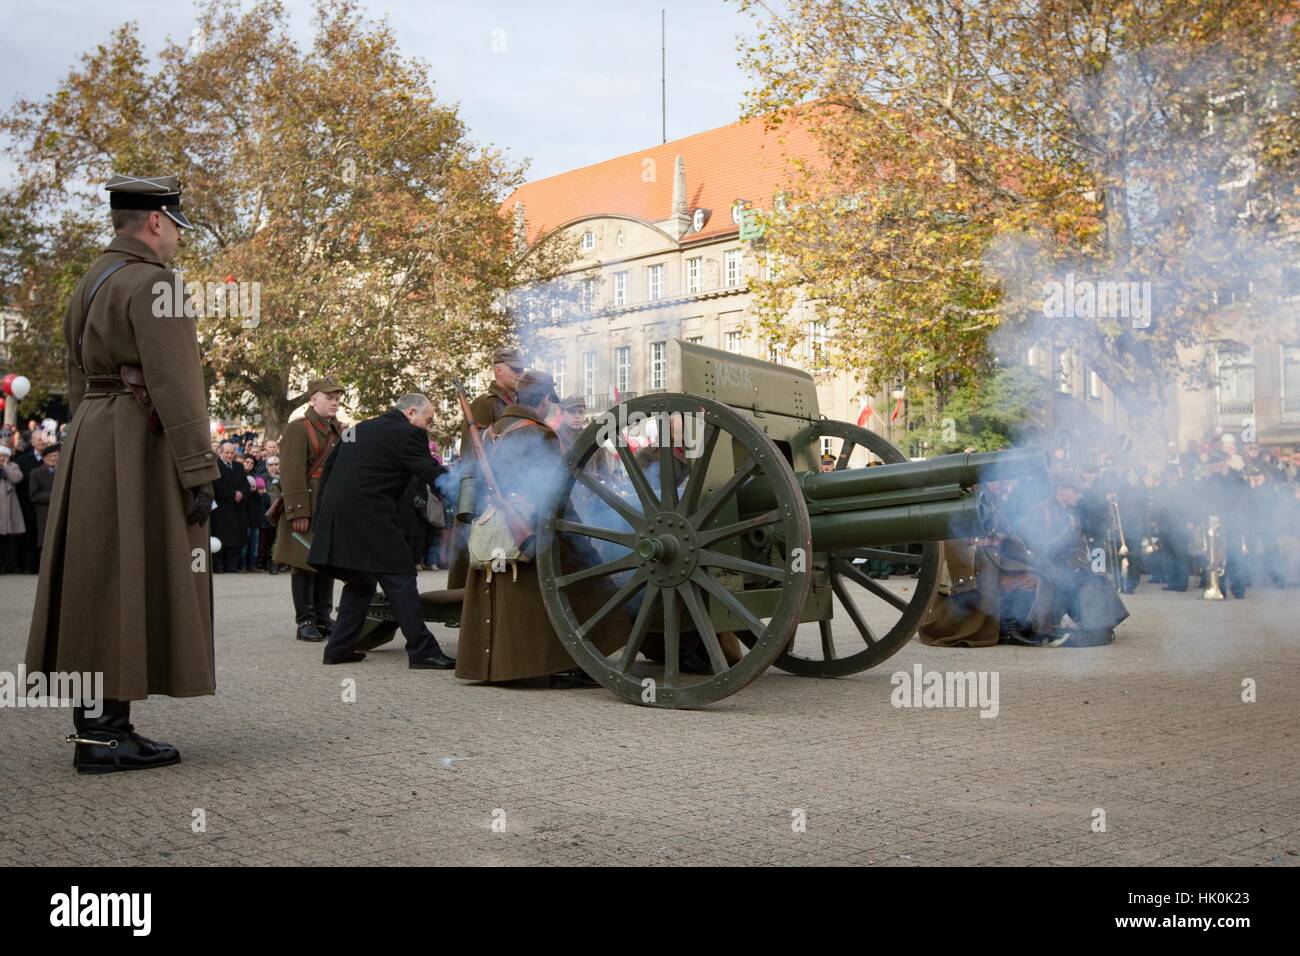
667,549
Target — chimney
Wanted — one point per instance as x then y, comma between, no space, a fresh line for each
521,230
679,219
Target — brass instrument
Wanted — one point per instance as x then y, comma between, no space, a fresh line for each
1121,548
1216,557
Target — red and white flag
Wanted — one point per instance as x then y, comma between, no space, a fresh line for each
864,415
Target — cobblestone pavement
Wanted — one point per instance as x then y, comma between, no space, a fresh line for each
1152,730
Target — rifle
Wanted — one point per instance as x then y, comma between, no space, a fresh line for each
520,529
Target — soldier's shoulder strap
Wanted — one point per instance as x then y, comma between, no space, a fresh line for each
88,298
514,426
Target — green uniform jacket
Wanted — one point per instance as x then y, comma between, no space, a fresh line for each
125,587
505,633
299,489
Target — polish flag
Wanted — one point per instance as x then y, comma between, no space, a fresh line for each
864,415
898,410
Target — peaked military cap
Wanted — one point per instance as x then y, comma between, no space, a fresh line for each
161,193
573,403
326,385
512,357
535,380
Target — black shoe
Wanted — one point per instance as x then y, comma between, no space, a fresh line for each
308,631
347,657
323,622
434,661
571,679
109,744
273,569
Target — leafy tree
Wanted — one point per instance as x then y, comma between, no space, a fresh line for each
331,176
983,150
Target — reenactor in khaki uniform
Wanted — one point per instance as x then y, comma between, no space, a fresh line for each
304,448
505,633
507,365
125,587
571,420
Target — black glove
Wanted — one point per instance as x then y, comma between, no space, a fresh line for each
201,508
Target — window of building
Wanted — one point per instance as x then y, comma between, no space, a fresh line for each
618,240
695,339
558,369
623,368
658,365
694,270
655,283
589,378
588,241
1094,384
732,342
1236,374
1064,371
589,287
775,353
731,268
620,288
818,336
1291,370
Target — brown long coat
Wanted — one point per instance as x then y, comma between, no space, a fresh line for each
125,587
505,633
300,490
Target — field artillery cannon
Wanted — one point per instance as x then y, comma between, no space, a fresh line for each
725,523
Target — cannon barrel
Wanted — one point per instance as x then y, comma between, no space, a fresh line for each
907,482
967,517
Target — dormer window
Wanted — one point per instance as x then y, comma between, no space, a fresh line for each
588,241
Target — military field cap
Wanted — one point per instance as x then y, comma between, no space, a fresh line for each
535,380
326,385
161,193
512,357
572,402
51,449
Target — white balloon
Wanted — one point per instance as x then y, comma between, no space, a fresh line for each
20,387
214,545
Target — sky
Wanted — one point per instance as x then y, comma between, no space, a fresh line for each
560,84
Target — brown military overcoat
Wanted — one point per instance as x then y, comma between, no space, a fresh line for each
505,633
124,586
299,488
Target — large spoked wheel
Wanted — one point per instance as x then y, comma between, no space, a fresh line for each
884,616
669,541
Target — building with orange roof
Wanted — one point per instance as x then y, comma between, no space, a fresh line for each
667,249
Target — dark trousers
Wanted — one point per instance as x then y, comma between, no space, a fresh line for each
404,598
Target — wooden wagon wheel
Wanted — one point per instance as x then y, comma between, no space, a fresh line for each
872,643
668,543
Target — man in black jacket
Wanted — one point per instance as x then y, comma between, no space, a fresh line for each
358,534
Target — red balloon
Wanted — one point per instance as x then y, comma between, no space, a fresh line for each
8,382
2,404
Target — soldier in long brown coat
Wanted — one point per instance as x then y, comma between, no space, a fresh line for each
304,448
124,587
505,633
507,365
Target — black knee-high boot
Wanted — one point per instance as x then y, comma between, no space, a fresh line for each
303,585
108,743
